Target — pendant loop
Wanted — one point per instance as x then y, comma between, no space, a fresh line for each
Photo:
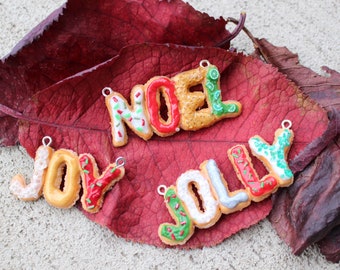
204,63
161,189
46,141
286,124
106,91
120,162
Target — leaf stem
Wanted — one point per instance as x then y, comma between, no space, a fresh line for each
240,26
224,44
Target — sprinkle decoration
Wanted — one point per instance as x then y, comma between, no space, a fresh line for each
96,186
183,228
213,190
184,110
242,163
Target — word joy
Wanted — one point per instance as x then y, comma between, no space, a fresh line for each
82,170
185,108
214,195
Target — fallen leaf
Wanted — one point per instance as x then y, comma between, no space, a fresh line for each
329,246
82,34
324,89
306,212
288,219
74,113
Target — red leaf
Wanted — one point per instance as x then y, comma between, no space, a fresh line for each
74,113
83,34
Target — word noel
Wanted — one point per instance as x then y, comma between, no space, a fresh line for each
184,107
212,189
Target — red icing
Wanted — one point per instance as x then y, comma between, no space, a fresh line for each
248,175
94,186
153,106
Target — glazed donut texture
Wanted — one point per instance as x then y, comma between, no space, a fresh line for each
179,233
94,185
134,116
153,89
33,190
229,201
211,212
190,103
211,196
274,157
53,194
258,189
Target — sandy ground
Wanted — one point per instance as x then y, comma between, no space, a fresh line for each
37,236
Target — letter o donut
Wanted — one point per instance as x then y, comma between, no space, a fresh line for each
67,197
211,213
167,87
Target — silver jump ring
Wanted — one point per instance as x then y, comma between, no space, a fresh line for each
161,190
120,162
204,63
46,141
286,124
106,91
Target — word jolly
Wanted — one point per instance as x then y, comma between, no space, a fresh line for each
184,107
216,199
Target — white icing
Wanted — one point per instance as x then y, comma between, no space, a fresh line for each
274,154
32,190
222,193
138,123
210,205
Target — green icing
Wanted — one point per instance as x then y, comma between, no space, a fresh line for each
275,153
214,94
181,231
